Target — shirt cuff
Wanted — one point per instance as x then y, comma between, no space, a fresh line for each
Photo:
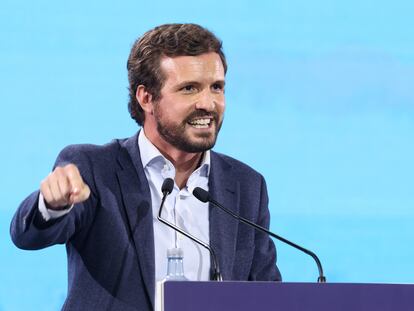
47,213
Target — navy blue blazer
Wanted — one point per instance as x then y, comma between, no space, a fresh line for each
110,239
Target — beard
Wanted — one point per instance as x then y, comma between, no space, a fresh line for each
176,135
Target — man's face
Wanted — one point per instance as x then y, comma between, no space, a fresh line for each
190,112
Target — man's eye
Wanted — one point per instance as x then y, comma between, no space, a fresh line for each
188,88
217,87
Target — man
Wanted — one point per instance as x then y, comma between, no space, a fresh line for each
102,201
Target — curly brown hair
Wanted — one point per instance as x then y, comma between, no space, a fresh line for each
169,40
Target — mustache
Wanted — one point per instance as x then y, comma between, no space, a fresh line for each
201,114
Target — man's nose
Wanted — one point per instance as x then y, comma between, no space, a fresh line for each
206,101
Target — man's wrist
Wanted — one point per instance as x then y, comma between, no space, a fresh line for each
49,212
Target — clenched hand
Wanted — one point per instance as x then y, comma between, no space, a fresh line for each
63,187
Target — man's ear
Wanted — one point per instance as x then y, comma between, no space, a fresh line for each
144,99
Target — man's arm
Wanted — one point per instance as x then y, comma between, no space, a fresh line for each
64,187
264,260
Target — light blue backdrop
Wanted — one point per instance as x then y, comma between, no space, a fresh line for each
319,99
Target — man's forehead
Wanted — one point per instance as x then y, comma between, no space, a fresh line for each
185,66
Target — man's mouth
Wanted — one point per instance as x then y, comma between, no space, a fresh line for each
201,123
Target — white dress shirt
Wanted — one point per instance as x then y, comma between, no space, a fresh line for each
180,208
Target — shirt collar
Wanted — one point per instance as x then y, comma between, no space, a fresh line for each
150,154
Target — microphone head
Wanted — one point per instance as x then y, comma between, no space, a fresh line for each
201,194
167,186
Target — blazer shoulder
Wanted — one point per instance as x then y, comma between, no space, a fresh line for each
104,154
91,149
240,168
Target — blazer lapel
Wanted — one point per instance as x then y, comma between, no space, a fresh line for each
224,188
137,200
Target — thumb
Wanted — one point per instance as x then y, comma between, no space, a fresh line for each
79,195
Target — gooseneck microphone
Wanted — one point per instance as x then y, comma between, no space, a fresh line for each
166,189
204,196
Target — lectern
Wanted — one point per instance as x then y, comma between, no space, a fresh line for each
248,296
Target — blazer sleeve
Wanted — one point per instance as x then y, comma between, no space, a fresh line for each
30,231
264,266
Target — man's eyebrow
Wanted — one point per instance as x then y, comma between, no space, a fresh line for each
189,82
222,82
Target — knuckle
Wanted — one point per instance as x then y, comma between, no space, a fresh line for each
71,167
72,171
49,177
58,173
44,183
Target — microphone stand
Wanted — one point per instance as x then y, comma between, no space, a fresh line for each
166,191
204,196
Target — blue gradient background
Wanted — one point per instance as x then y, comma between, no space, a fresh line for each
319,99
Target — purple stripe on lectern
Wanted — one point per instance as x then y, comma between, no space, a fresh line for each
243,296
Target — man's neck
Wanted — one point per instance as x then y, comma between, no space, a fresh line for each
185,163
185,168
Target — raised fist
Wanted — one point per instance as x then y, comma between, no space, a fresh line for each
64,187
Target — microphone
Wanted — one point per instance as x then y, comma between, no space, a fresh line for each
204,196
166,189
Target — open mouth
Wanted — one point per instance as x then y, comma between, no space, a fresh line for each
201,123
